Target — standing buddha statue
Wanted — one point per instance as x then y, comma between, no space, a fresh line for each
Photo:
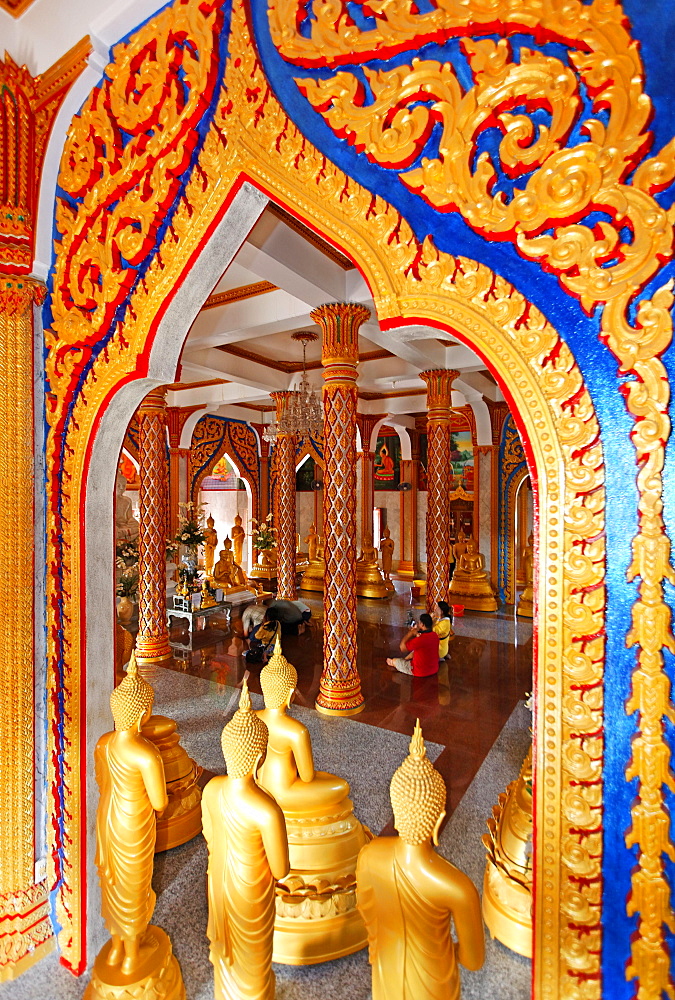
238,536
131,780
210,545
409,895
317,919
248,850
387,555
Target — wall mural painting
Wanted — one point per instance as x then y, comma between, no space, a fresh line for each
222,477
461,456
387,462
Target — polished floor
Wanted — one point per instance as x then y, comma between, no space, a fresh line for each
477,730
464,708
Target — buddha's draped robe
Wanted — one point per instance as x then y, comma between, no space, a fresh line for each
410,945
241,907
126,832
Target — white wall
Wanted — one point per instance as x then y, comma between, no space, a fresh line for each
222,505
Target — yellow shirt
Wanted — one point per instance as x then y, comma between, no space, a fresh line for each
443,630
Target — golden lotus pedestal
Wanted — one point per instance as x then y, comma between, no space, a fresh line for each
157,977
507,886
312,578
475,594
182,818
371,583
316,916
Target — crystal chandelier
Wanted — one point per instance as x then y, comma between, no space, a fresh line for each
303,413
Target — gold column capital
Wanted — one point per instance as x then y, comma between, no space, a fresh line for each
340,323
155,400
281,399
439,390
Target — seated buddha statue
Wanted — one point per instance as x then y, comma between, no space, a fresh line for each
226,572
470,584
324,836
369,579
410,896
312,578
459,548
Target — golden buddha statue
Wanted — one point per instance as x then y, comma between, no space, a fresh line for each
312,541
181,820
387,556
226,573
507,888
312,578
138,959
317,919
470,584
246,836
210,545
525,607
409,895
238,536
369,579
459,548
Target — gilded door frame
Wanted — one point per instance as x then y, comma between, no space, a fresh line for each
413,286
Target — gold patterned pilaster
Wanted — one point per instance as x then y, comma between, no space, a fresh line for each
152,643
19,897
283,457
340,686
439,481
407,563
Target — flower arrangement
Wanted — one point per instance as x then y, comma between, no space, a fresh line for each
127,585
263,535
190,525
126,553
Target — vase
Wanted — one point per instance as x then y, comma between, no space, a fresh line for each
126,609
190,561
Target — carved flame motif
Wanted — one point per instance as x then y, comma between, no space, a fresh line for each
568,184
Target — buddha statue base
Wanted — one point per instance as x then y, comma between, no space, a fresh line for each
316,916
182,818
157,976
372,584
507,886
312,578
525,607
475,595
238,595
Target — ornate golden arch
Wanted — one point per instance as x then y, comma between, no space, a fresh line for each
252,138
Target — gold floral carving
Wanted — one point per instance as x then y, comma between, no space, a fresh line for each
253,137
26,929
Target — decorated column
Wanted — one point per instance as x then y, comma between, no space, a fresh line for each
284,503
407,562
439,482
152,643
366,424
340,687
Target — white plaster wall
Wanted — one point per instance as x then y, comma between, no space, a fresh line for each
223,505
422,530
304,516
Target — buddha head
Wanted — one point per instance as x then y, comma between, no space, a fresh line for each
417,794
278,679
120,484
244,739
132,699
470,545
386,533
209,520
460,535
237,520
228,542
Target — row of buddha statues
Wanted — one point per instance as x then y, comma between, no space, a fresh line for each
293,876
470,585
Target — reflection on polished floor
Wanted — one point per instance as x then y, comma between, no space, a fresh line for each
477,730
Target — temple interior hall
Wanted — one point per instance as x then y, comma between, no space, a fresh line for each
337,499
